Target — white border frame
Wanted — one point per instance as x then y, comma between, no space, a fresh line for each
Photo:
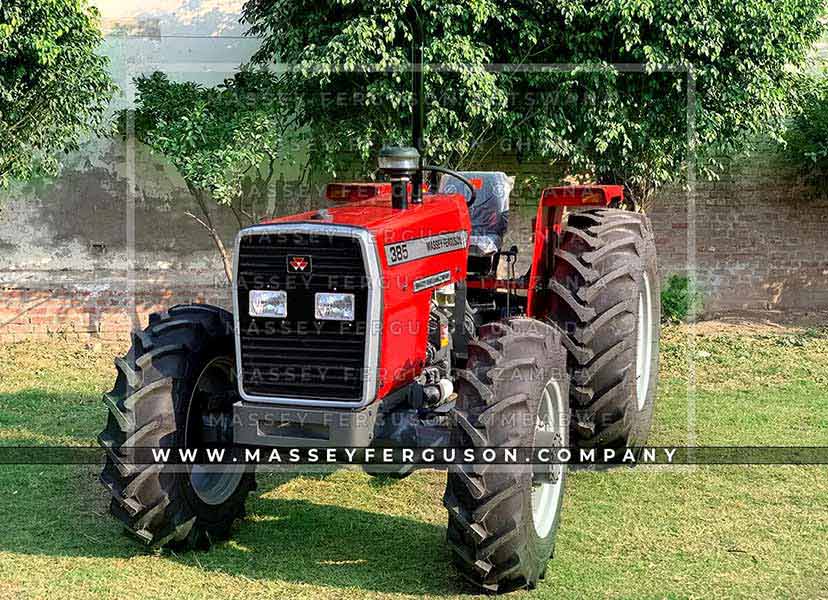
370,386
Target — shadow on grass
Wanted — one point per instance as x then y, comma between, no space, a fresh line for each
303,542
62,511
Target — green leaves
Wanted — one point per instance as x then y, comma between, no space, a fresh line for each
227,141
619,127
54,87
351,80
679,301
806,140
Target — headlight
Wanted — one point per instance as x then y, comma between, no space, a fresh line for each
334,307
268,304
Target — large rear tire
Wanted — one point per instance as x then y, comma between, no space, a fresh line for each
606,297
175,389
503,520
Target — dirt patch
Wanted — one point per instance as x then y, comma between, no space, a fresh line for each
762,321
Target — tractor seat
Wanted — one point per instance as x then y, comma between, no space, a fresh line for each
490,211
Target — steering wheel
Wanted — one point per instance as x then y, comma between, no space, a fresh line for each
456,175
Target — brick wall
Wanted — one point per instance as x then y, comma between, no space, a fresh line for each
81,315
760,241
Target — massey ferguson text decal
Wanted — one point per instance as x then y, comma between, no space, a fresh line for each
432,281
403,252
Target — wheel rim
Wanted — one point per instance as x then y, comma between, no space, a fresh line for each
210,425
644,345
547,485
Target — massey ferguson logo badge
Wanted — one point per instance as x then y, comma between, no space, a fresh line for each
299,264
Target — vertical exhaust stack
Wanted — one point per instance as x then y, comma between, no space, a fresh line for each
418,106
404,166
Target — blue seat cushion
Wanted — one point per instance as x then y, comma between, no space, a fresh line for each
490,212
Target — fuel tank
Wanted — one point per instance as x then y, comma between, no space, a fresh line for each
418,249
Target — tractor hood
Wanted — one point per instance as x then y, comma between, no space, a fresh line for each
438,214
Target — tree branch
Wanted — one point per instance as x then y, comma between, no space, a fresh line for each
237,215
207,223
199,221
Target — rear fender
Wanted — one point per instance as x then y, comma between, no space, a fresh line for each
547,226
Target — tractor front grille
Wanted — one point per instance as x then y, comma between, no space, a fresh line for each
300,357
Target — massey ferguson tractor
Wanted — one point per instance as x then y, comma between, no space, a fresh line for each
385,320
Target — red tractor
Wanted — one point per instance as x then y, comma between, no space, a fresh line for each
382,321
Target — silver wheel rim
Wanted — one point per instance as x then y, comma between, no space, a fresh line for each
547,485
644,344
213,484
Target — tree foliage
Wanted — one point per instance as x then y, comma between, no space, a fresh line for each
349,73
54,87
606,120
227,142
806,146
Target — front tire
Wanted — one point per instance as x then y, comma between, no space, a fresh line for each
503,520
175,389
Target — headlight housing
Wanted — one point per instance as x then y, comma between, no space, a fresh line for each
268,304
331,306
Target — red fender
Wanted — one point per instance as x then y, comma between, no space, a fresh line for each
547,228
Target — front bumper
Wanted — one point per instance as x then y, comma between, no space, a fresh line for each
259,424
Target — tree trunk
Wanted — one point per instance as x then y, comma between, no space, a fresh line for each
225,257
207,224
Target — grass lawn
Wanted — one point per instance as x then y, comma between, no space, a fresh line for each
656,532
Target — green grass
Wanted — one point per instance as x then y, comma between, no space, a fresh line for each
657,532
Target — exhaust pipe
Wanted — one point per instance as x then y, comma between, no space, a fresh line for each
418,107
